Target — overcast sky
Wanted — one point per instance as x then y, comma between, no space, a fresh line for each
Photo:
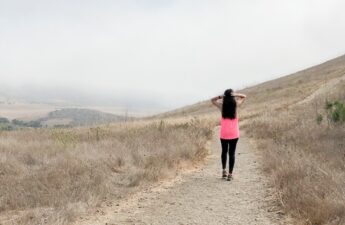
165,53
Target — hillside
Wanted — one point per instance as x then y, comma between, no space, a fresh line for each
297,122
278,93
80,117
66,117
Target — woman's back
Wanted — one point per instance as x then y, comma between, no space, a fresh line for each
229,128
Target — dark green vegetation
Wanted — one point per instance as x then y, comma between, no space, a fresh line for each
335,111
6,125
82,117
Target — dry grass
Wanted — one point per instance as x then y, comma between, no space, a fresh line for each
305,160
52,175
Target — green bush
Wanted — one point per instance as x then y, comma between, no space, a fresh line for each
6,127
4,120
33,123
335,111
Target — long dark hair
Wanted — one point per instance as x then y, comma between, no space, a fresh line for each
229,105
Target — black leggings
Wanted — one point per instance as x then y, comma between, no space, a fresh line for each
228,146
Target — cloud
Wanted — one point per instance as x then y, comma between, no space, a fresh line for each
172,52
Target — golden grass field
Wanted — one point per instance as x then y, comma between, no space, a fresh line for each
52,175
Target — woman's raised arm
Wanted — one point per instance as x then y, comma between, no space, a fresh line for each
240,98
216,103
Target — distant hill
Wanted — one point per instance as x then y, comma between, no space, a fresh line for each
80,117
67,117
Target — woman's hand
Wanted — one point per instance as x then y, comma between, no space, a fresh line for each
239,95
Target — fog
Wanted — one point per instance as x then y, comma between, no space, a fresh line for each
160,54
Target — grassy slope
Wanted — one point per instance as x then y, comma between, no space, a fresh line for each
305,160
276,93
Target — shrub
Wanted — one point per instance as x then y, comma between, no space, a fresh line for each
335,111
33,123
4,120
5,127
319,119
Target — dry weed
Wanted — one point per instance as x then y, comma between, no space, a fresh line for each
52,175
305,158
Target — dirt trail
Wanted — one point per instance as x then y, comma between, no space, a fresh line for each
201,197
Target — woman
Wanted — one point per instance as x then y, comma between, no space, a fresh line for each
229,129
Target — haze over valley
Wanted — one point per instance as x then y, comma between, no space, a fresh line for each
156,56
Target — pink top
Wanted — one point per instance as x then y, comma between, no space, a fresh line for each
229,129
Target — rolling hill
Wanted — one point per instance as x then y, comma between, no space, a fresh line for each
80,117
278,93
297,123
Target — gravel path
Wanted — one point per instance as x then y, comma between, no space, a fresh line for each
201,197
